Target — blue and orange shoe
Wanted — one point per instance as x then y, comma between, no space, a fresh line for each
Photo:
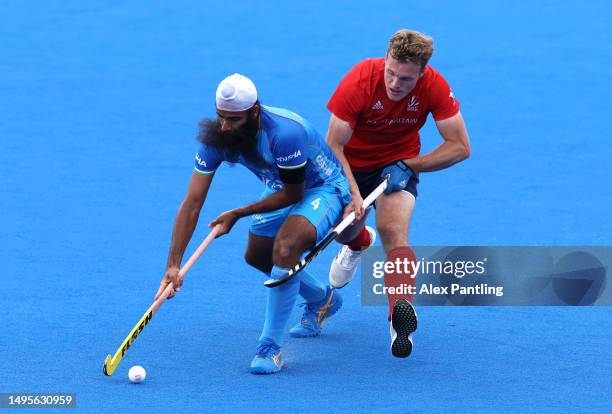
315,314
268,359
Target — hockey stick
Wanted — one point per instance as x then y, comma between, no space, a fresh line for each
328,239
112,362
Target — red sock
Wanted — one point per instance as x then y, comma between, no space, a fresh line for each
362,240
404,277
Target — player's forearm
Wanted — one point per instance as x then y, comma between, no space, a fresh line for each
184,225
338,135
275,201
447,154
339,152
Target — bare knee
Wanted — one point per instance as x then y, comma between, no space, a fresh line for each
392,237
286,253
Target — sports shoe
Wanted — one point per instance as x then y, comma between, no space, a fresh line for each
267,359
316,314
344,265
403,324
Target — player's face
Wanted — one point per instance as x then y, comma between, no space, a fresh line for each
233,131
232,121
400,78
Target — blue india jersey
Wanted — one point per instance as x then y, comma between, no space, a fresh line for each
285,140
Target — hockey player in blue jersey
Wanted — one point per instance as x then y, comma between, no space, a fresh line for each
305,192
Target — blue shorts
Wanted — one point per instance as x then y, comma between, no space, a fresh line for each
322,206
367,181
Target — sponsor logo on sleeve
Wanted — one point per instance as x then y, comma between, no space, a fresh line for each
289,157
200,161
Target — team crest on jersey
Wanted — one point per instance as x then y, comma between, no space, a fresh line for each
378,106
413,104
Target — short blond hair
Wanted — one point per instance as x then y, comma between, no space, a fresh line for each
411,46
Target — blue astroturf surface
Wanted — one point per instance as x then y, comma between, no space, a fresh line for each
99,103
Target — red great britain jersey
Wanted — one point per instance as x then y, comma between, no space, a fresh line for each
385,131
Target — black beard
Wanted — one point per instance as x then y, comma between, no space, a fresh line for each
233,143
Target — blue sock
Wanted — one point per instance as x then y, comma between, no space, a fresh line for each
311,289
279,306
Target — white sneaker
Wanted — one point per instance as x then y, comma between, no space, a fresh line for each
344,265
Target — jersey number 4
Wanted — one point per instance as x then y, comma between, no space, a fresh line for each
315,203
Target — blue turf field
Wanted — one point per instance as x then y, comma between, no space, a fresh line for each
99,103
